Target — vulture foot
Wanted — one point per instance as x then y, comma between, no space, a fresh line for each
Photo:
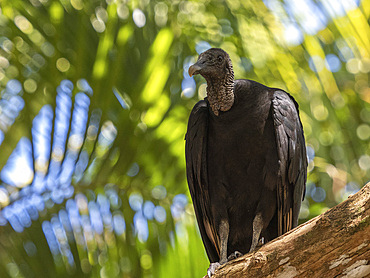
234,255
261,242
212,268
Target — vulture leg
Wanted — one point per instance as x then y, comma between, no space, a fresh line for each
257,229
223,237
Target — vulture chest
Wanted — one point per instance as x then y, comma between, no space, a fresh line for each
241,149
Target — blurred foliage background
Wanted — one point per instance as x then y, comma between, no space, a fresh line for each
95,98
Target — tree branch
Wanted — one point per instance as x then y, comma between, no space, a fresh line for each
333,244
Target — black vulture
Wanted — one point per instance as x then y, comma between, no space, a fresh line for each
245,160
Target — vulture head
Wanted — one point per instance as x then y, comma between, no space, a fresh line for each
215,66
212,64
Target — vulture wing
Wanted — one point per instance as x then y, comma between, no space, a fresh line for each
196,171
292,160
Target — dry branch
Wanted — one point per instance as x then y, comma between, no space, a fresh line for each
333,244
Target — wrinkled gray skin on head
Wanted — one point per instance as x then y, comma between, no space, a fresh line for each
216,67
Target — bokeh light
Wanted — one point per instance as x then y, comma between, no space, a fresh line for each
139,18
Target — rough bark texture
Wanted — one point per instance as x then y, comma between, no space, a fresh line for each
333,244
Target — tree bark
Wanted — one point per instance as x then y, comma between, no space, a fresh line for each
333,244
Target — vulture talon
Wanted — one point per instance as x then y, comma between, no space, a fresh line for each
234,256
212,268
261,242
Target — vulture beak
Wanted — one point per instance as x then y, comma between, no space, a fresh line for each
194,69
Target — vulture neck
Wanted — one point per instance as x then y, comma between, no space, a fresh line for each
220,93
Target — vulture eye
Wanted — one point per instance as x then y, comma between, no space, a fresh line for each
219,58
